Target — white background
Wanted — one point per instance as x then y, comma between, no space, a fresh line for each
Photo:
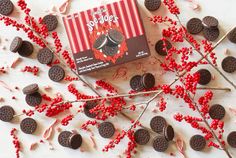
223,10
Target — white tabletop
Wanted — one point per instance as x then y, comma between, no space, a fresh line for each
224,11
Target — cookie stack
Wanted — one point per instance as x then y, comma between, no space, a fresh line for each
33,97
208,25
24,48
165,134
70,140
109,44
144,82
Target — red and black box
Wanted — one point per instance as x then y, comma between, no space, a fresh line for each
106,36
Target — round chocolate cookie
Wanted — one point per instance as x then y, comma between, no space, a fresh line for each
211,34
148,80
75,141
106,129
56,73
152,5
45,56
63,138
88,106
159,47
26,49
158,124
232,36
115,36
231,139
6,113
16,44
142,136
229,64
6,7
217,112
160,144
33,99
100,42
197,142
169,133
210,22
194,26
51,22
30,89
110,50
28,125
136,83
205,76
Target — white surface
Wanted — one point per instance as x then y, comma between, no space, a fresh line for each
224,11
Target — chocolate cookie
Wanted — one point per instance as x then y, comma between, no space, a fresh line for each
158,124
6,7
30,89
217,112
152,5
169,133
56,73
100,42
6,113
63,138
159,47
142,136
160,144
231,139
28,125
110,50
211,34
194,26
51,22
197,142
115,36
26,49
136,83
45,56
210,22
229,64
205,76
33,99
16,44
148,80
75,141
232,36
88,106
106,129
